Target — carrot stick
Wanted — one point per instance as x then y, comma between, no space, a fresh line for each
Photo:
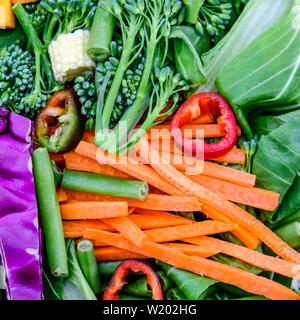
244,235
128,229
180,232
212,269
212,199
260,260
113,254
192,166
61,195
189,131
153,201
236,156
204,119
142,221
192,250
75,161
150,222
128,166
93,210
254,197
159,214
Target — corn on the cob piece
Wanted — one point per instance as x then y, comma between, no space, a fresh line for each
68,55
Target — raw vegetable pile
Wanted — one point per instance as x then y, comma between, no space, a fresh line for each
92,92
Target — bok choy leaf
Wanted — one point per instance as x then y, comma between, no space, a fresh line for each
257,17
277,165
267,73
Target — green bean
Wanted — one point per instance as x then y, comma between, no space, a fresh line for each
290,233
101,33
50,213
88,264
106,185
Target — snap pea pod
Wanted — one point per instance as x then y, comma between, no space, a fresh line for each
290,233
50,213
88,264
106,185
101,33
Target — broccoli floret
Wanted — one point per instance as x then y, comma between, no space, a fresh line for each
86,92
37,15
17,75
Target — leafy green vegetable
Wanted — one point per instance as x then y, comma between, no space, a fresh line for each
76,276
175,294
193,286
265,75
188,47
257,17
277,165
290,233
264,125
52,286
14,36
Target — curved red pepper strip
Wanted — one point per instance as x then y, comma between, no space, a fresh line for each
118,279
201,104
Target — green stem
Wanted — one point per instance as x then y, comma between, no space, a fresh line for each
192,10
106,185
50,213
129,117
148,123
36,44
122,67
88,264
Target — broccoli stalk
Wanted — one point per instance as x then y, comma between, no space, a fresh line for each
156,25
39,94
130,23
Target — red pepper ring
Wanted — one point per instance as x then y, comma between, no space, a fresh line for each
202,104
118,279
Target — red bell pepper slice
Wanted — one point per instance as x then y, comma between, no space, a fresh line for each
206,103
118,279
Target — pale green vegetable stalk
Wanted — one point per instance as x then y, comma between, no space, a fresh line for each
257,17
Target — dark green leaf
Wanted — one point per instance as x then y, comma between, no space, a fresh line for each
14,36
188,46
193,286
264,76
277,164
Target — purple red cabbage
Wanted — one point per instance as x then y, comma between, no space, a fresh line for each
20,236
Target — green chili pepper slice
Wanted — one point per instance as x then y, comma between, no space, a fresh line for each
59,126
